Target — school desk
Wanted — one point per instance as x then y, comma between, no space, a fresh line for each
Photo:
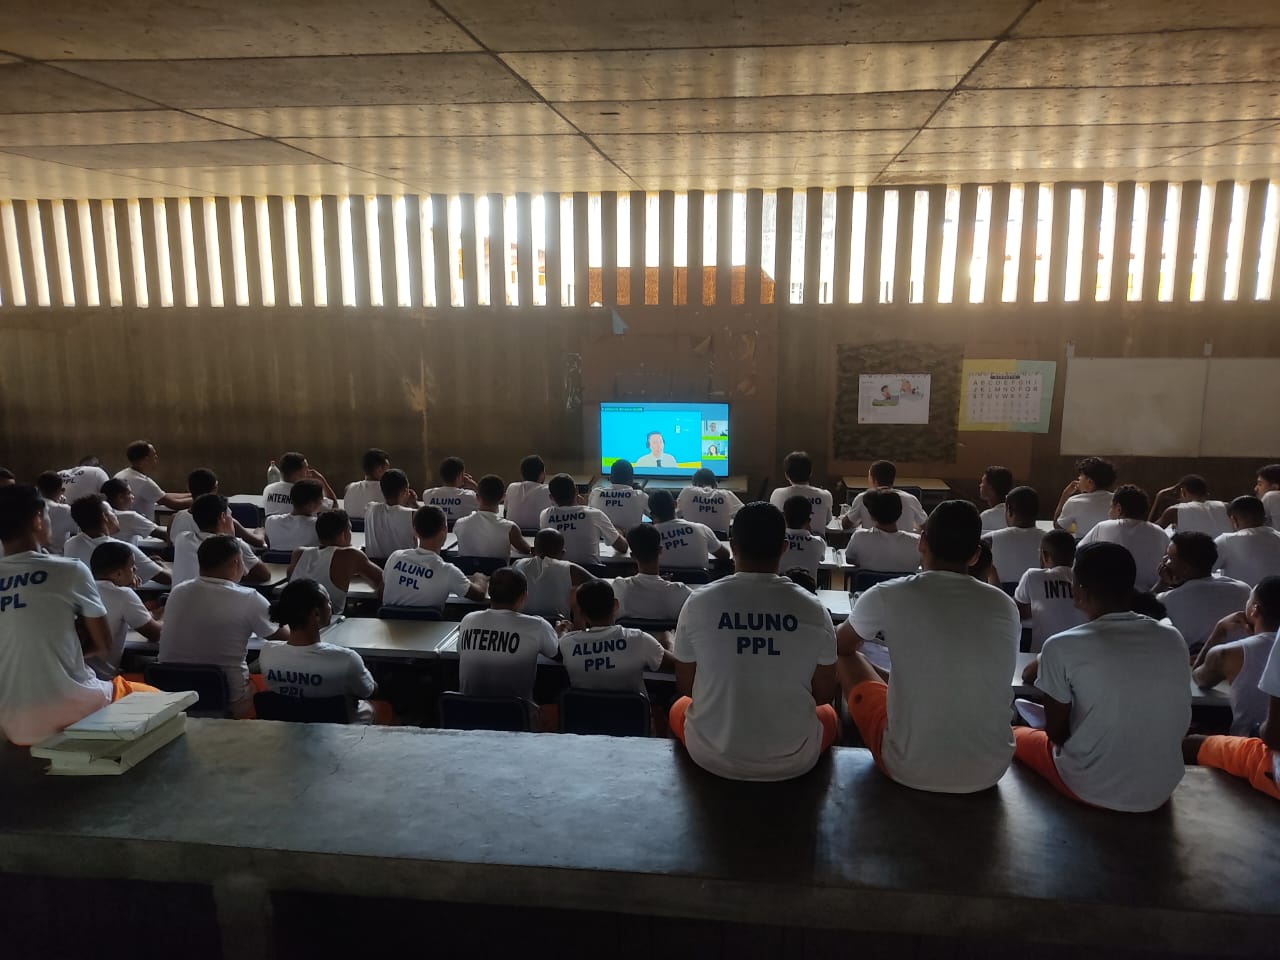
370,637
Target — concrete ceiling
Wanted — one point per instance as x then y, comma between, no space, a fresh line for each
192,97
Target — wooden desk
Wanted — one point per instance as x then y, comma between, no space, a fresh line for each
412,639
737,485
926,484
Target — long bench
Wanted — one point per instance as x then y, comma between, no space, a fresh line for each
261,812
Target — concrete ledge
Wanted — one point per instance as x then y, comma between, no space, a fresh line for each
574,823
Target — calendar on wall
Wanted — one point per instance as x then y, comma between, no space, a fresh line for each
1007,395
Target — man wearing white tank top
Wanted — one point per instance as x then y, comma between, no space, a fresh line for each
550,578
528,496
1186,506
1252,550
335,563
1241,662
360,493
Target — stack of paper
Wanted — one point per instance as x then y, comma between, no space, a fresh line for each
118,736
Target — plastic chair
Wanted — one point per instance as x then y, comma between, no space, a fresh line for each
208,681
410,613
275,706
277,556
485,565
866,579
247,515
461,712
605,713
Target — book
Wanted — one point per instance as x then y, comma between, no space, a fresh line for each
70,756
131,717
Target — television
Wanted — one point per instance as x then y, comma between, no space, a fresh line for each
665,439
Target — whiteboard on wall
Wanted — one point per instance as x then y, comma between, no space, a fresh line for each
1126,406
1240,409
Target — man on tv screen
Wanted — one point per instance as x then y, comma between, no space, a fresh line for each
656,457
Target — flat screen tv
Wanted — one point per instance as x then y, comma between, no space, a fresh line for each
665,439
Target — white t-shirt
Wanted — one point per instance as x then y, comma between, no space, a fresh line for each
1206,516
526,499
582,529
1248,703
134,526
181,522
646,596
1014,551
1083,511
388,528
61,526
1053,606
874,549
624,505
1269,684
1250,554
484,534
288,531
550,582
1146,543
687,544
44,682
818,498
804,551
125,612
1270,503
421,578
709,505
456,502
208,620
278,497
658,460
610,658
81,547
954,644
79,482
1128,682
314,671
994,518
146,492
314,564
757,639
498,652
359,495
186,559
1196,606
913,515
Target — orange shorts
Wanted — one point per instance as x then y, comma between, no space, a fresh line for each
869,707
1034,749
826,716
120,688
1246,757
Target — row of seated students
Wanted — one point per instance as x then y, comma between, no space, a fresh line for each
756,658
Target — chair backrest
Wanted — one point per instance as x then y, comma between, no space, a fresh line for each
685,574
914,491
208,681
277,556
461,712
605,713
410,613
866,579
247,515
485,565
645,624
275,706
357,524
1009,586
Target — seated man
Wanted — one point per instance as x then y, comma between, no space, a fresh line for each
132,525
646,596
582,527
305,666
456,495
360,493
1110,741
84,479
755,659
686,544
1186,507
1129,527
61,526
113,568
419,576
622,501
212,516
798,469
199,482
549,576
993,487
1016,548
1199,599
941,723
1086,500
335,563
143,461
881,477
388,526
704,501
1252,550
1267,489
603,655
211,619
484,533
804,551
288,531
293,467
45,684
1240,662
1045,595
528,496
97,525
882,546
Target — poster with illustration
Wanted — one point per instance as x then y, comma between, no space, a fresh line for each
893,398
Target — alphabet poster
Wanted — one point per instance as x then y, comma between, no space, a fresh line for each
893,398
1007,395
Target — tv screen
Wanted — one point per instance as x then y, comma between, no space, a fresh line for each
666,439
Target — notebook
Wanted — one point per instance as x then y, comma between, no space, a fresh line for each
131,717
74,757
